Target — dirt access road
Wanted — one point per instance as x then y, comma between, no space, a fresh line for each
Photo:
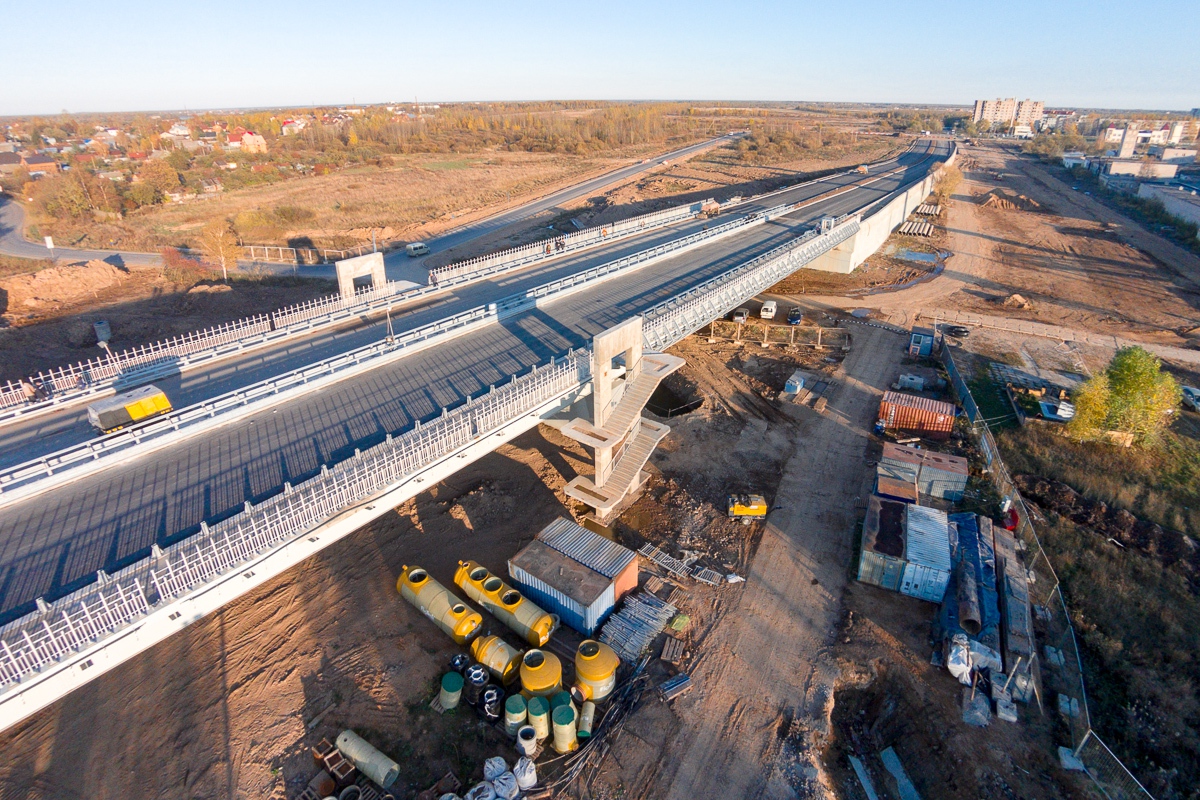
1079,264
765,684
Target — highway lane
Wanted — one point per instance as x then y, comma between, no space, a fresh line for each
24,440
55,542
13,243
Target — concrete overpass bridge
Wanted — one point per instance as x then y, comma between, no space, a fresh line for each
111,559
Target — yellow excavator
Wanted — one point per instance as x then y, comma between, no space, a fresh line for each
746,507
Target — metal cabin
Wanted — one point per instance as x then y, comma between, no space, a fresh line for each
906,548
932,474
575,573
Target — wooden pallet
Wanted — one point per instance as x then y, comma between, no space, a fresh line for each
654,584
672,651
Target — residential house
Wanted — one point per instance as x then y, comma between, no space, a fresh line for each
9,163
39,164
253,142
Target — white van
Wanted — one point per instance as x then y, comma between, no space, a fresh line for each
768,310
416,249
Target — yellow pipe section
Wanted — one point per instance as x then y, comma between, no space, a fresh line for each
504,603
435,601
498,656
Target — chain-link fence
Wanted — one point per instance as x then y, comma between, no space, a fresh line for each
1059,681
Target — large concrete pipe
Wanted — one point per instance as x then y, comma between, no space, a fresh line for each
969,617
370,762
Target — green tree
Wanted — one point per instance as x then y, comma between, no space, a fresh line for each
1092,400
179,160
159,174
1143,396
143,194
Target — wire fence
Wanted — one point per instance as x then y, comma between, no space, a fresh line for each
1061,670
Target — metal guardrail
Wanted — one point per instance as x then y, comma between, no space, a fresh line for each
62,628
514,258
21,476
93,375
1110,776
670,321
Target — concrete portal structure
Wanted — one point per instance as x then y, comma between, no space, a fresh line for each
360,267
623,378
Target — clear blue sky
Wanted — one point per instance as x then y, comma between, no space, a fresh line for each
121,56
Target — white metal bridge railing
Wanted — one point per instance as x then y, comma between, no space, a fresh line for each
516,257
670,321
65,626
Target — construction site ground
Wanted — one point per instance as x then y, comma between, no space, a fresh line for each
1077,263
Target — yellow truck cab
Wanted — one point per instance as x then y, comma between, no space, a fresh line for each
136,405
747,507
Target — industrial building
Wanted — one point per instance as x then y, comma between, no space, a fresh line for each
575,573
933,474
906,548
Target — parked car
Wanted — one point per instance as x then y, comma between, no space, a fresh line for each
768,309
1191,398
959,331
741,315
795,316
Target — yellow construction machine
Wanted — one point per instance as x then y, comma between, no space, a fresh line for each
746,507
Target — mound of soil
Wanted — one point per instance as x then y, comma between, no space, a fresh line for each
59,285
1003,199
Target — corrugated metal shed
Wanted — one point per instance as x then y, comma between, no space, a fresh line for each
580,596
909,412
588,548
906,548
935,474
926,553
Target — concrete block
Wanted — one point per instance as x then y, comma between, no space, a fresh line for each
1054,657
1069,761
1006,710
976,711
1068,706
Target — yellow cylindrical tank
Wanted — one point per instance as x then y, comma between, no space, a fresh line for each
504,603
537,711
595,670
435,601
541,674
500,657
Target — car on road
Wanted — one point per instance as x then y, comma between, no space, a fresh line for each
959,331
1191,397
795,316
416,249
741,315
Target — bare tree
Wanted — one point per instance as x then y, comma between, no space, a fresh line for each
219,243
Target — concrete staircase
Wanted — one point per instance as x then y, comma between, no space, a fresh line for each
624,432
627,474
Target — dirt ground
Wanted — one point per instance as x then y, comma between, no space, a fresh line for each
711,174
1077,263
48,318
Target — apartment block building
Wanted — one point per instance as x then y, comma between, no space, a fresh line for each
1009,111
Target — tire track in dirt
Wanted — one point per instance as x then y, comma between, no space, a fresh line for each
764,677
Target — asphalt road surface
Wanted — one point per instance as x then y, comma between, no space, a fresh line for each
13,243
55,542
